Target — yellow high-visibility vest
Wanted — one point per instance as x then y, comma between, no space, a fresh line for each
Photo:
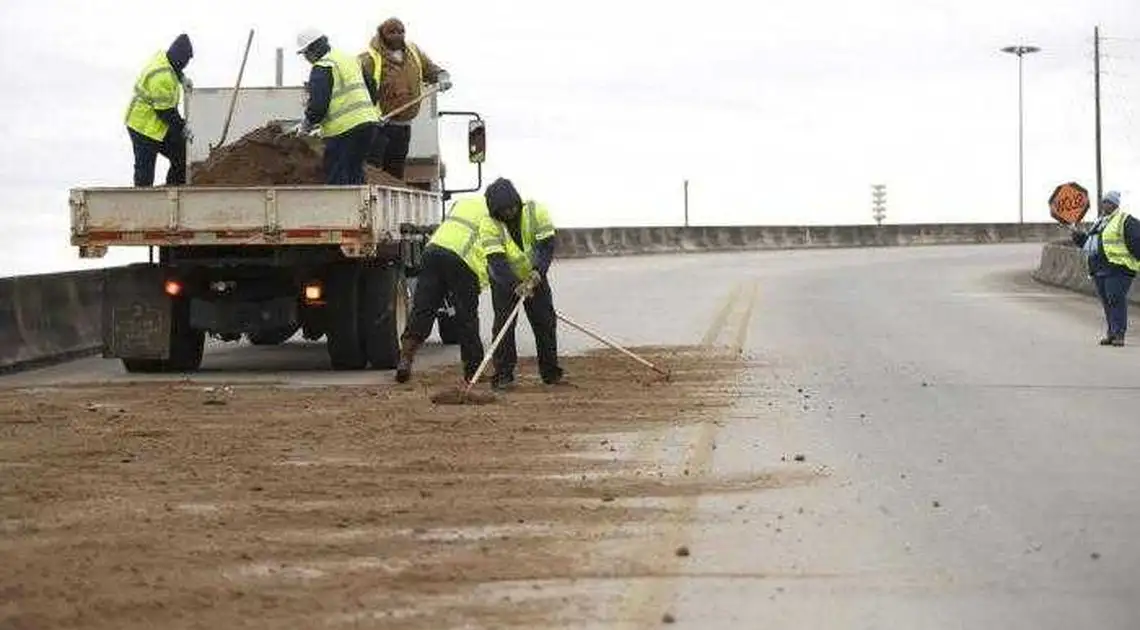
1112,240
536,226
349,104
460,233
156,88
378,69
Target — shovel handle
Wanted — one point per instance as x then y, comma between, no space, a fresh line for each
426,93
494,346
610,343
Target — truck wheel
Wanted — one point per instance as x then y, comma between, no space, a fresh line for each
383,314
345,345
272,337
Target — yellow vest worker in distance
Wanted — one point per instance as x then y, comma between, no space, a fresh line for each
1112,249
453,264
339,103
395,71
519,243
153,122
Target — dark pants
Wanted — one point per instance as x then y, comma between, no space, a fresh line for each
389,149
345,154
1113,291
443,273
540,312
173,148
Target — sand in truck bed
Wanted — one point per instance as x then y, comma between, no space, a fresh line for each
267,157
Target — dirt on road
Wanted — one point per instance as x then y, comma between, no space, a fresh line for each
177,505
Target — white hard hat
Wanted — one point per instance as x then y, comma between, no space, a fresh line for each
306,38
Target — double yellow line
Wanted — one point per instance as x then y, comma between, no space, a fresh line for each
651,596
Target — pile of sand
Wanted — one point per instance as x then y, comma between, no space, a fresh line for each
267,157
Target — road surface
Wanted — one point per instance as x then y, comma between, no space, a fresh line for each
972,449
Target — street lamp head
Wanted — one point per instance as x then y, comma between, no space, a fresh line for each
1020,50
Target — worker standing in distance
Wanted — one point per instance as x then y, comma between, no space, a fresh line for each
1112,250
453,263
339,103
153,122
396,70
519,245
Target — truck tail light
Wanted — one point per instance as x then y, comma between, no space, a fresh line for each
173,288
313,292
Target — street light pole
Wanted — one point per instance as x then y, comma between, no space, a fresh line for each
1020,51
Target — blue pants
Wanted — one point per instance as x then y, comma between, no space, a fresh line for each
345,154
1113,291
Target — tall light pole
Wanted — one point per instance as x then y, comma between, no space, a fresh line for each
1020,51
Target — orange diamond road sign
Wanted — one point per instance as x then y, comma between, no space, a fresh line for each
1069,203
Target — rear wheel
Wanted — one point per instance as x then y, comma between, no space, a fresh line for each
345,342
383,314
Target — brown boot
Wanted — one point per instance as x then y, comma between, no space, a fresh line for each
408,348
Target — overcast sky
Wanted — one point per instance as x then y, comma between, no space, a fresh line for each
776,115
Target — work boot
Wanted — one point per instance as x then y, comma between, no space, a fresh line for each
1118,341
1107,341
501,382
408,348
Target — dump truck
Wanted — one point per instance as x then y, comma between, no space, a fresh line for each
262,263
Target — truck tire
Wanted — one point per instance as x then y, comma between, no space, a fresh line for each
345,343
273,337
187,346
383,314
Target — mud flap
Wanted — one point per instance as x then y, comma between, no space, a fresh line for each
136,313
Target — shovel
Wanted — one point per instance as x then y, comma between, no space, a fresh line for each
462,395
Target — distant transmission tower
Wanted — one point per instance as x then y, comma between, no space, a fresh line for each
879,202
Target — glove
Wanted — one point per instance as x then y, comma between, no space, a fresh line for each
301,128
187,82
526,288
444,82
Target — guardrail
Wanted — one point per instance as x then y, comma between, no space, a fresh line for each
52,317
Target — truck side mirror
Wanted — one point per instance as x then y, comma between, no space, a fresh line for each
476,141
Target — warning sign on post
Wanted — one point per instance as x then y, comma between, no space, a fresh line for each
1069,203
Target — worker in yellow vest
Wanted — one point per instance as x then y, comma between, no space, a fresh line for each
453,264
339,104
1112,251
519,245
153,122
395,71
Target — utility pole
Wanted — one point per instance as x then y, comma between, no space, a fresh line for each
1096,100
879,202
1020,51
280,78
686,203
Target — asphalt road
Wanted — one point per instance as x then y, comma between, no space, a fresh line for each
977,446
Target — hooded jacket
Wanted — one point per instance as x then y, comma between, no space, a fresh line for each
179,54
1098,263
401,80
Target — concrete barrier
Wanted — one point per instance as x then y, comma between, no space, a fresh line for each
52,317
1063,265
49,317
624,241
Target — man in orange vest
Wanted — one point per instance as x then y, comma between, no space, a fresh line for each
395,71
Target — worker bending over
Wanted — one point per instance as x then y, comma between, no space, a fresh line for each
453,263
395,71
520,247
153,122
339,103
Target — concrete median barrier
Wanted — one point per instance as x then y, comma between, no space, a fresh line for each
1063,265
49,317
625,241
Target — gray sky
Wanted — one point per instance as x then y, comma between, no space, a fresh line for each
601,109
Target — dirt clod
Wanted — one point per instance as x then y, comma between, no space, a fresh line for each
667,618
682,552
266,157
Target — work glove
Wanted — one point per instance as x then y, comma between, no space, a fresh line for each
187,82
444,82
302,128
527,287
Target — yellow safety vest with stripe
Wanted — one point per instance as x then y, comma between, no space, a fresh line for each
349,103
536,226
460,233
1112,240
156,88
378,68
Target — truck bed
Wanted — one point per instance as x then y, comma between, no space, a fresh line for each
356,218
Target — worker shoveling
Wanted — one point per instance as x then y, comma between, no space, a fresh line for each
465,395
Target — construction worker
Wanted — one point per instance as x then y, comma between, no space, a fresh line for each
153,122
1112,250
453,264
339,103
520,247
395,71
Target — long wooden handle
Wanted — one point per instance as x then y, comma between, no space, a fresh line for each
494,346
611,344
426,93
237,86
